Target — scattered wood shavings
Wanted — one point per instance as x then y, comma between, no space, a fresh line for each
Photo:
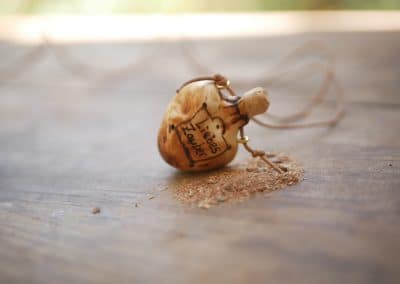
96,210
236,183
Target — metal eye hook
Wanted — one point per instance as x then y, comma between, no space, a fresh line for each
243,140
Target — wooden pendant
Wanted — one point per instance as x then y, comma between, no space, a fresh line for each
200,127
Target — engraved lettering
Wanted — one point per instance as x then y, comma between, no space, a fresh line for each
202,136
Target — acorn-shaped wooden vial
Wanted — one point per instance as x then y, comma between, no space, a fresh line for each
200,127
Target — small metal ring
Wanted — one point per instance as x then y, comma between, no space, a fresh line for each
223,86
243,140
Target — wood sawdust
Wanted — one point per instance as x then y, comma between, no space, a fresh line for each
236,183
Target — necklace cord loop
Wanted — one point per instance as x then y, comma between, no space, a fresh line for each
220,82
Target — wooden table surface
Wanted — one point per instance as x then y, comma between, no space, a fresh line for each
74,138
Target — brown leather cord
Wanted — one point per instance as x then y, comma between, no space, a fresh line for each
22,63
287,121
310,106
317,99
217,79
78,68
339,113
312,103
197,64
220,82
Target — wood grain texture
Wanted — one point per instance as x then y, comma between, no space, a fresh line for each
69,143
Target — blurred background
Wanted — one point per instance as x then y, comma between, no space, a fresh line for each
162,6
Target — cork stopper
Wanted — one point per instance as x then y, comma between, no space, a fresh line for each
254,102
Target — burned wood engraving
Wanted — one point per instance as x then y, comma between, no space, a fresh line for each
202,136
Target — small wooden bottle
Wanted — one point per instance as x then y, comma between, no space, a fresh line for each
200,127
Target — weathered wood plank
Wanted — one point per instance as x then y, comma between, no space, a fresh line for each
68,144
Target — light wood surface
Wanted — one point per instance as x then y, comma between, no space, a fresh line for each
69,143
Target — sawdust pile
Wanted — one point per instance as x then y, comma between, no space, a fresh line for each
236,183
